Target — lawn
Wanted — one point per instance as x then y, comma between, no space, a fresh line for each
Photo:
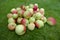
52,8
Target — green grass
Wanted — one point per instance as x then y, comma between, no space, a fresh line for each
52,8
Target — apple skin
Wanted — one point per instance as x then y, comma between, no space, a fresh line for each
9,15
42,11
31,26
31,19
20,29
27,14
11,20
51,21
11,26
14,11
25,22
19,20
39,23
15,16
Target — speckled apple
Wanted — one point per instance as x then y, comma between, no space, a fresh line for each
31,26
11,26
20,29
51,21
39,23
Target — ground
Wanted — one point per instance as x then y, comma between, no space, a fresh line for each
52,8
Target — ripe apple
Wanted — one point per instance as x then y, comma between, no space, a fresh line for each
20,29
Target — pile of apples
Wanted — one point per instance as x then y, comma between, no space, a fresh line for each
27,17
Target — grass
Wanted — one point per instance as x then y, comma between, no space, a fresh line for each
52,8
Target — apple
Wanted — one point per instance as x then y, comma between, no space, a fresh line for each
18,9
44,19
39,23
24,22
9,15
35,7
38,15
20,29
11,20
11,26
26,7
42,11
31,5
19,20
31,26
31,19
21,13
14,11
30,10
27,14
51,21
15,16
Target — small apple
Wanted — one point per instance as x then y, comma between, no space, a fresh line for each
15,16
51,21
11,26
9,15
26,7
19,20
24,22
20,13
31,5
30,10
20,29
38,15
35,7
14,11
39,23
42,11
31,19
27,14
11,20
18,9
44,19
31,26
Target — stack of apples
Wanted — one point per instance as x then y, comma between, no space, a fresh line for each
27,17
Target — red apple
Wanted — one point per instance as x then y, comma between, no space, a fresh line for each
51,21
14,11
24,22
